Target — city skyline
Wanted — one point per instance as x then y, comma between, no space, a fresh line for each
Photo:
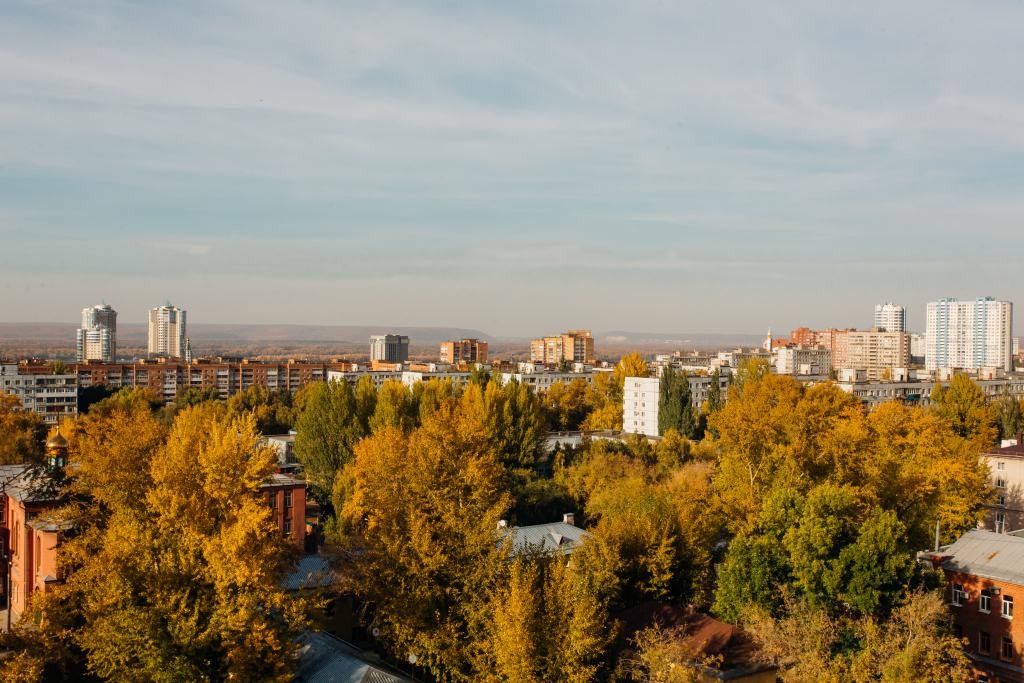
719,161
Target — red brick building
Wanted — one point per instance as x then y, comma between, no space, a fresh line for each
985,582
286,496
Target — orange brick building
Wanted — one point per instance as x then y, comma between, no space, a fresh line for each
826,338
985,580
574,345
465,351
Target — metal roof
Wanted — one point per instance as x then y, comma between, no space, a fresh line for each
547,538
326,659
278,479
313,571
987,555
8,472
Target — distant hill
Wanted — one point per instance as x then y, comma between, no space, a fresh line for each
687,338
249,333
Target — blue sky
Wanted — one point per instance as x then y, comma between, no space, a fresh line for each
518,168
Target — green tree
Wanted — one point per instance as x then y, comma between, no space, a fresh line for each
1006,414
480,377
565,365
715,400
59,367
186,397
675,407
326,431
750,370
513,420
366,402
394,408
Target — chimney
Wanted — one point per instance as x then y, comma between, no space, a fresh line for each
569,518
502,523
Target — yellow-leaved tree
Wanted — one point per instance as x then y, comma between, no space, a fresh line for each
21,432
177,564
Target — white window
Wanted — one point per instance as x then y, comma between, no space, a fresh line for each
1001,467
1000,523
1008,607
1000,500
985,603
1000,484
958,595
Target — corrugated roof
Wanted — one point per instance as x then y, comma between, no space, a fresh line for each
326,659
547,538
278,479
987,555
313,571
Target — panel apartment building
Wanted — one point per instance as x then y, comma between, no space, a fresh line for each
464,351
879,353
969,334
53,397
575,345
390,348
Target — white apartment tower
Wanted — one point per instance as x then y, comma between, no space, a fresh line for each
167,338
971,334
640,405
97,338
391,348
890,318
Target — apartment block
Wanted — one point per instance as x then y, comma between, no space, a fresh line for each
970,334
167,333
391,348
97,338
640,405
879,353
574,345
826,338
890,318
464,351
54,397
803,359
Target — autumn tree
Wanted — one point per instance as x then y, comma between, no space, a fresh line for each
1006,414
326,431
675,406
715,400
566,404
366,402
21,432
962,406
427,506
394,408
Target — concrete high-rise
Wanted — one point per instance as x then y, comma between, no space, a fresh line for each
970,334
890,318
465,351
573,346
390,348
167,334
97,338
880,353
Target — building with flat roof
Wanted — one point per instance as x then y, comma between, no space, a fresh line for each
640,405
574,345
467,351
391,348
969,334
890,318
53,397
167,332
879,353
97,338
803,359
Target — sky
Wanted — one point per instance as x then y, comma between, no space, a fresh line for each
519,168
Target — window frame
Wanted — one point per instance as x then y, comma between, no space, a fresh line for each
1006,644
1006,606
958,595
985,601
984,642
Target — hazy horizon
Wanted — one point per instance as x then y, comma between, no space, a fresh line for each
520,169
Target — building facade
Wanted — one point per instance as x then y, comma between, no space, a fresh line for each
54,397
391,348
465,351
1005,512
984,583
574,345
640,397
803,359
969,334
97,338
826,338
880,353
890,318
167,333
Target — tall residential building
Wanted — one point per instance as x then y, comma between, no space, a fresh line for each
971,334
167,332
391,348
465,351
890,318
803,360
97,338
640,405
574,345
874,351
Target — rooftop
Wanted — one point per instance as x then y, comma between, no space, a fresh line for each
987,555
326,659
546,538
278,479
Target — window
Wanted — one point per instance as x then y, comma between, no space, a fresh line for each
958,632
287,499
272,499
1000,484
1007,650
287,527
1000,523
982,678
984,643
958,594
985,604
1001,500
1008,607
1001,466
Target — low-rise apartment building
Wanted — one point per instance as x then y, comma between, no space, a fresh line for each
1005,512
905,385
803,359
640,405
52,396
984,574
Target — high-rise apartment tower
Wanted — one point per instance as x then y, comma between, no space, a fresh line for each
167,332
890,318
574,345
970,334
390,348
97,338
